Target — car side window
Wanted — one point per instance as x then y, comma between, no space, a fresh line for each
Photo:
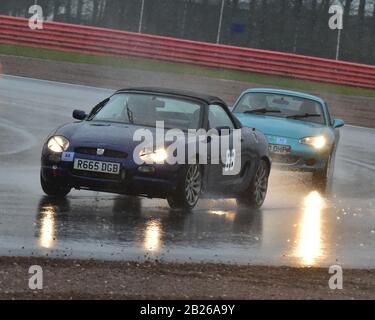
218,117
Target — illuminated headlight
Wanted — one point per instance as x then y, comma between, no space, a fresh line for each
318,142
58,144
150,156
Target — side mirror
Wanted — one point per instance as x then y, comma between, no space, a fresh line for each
79,114
338,123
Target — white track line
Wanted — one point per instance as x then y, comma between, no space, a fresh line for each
360,164
27,139
56,82
359,127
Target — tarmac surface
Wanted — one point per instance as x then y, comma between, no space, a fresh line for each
297,226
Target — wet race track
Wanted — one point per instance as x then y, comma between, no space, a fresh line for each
297,225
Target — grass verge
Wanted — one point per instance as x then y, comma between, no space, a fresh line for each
160,66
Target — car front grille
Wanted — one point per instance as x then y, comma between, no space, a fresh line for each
107,152
96,175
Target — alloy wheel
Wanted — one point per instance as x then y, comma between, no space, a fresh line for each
261,183
193,185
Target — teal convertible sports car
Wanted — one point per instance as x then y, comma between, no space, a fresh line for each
300,131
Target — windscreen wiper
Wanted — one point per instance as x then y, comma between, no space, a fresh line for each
305,115
129,113
263,110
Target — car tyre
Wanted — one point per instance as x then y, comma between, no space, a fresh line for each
321,177
53,189
255,195
188,192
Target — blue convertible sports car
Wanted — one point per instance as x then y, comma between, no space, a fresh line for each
299,129
97,151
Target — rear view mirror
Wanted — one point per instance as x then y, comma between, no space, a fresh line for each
280,102
158,104
338,123
79,114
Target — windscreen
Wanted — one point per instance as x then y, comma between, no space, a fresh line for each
146,109
279,105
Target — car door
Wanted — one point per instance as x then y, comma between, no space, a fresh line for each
220,173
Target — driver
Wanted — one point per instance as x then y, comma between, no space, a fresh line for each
142,109
257,101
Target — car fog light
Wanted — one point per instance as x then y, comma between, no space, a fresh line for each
146,169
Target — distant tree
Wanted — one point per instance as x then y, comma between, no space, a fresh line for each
297,9
312,27
68,10
360,29
346,41
251,21
281,22
95,11
79,11
323,44
56,7
371,53
263,13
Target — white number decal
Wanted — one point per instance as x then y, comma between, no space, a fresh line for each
230,160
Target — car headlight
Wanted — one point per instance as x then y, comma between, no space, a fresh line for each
58,144
318,142
153,156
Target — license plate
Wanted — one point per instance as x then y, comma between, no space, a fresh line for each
96,166
279,149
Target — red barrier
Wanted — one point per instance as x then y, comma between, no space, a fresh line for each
100,41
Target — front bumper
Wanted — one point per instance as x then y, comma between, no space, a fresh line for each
301,158
295,162
162,181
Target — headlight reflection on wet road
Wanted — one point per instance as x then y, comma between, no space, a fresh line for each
152,236
309,247
228,215
47,227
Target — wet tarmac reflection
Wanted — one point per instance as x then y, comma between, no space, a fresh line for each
124,221
309,241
